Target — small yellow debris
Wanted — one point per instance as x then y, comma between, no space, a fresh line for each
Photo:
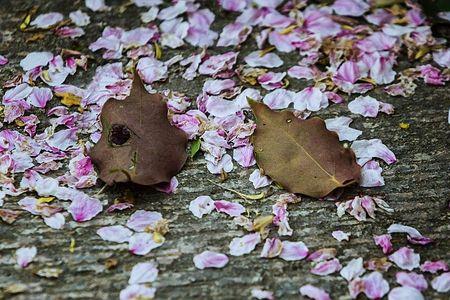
158,51
369,80
421,52
19,123
289,29
158,237
45,199
69,99
26,21
72,245
346,27
45,75
265,51
404,125
242,195
260,223
35,37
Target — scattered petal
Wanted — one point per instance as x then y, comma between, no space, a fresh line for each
202,205
292,251
25,256
405,258
340,235
115,233
210,259
245,244
230,208
143,272
314,292
141,220
405,292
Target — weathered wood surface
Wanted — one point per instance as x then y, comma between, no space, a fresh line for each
417,187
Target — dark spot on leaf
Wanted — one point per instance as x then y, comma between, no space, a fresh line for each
119,135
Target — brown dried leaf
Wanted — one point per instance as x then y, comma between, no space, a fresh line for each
301,155
138,143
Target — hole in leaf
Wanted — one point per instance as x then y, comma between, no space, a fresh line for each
119,134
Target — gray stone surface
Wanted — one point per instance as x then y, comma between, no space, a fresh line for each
417,187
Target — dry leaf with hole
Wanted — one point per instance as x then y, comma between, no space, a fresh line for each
301,155
138,143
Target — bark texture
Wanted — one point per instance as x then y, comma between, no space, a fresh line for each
417,187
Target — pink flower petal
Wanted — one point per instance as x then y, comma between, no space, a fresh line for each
269,60
365,106
137,291
141,220
405,292
25,256
371,175
115,233
230,208
119,207
279,99
412,279
142,243
375,287
55,221
63,139
384,241
365,150
225,164
271,80
150,69
340,125
96,5
244,244
40,96
47,20
234,34
405,258
3,60
292,251
434,266
215,87
340,235
322,254
233,5
210,259
354,8
217,64
202,205
168,187
441,283
35,59
314,292
262,294
353,269
326,267
84,208
414,236
442,57
272,248
258,180
310,98
244,156
79,18
143,272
